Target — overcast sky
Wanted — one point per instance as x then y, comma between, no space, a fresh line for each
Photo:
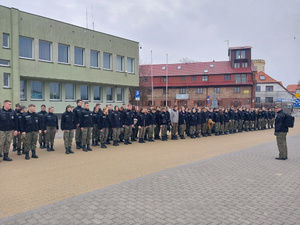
196,29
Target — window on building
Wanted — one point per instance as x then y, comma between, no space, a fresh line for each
243,54
6,80
217,90
236,90
22,90
193,78
36,90
236,65
227,77
109,94
166,79
240,54
130,65
25,47
182,78
5,40
258,88
262,77
119,94
45,50
78,56
199,103
269,99
182,91
69,92
107,61
84,92
63,53
244,64
120,63
4,62
199,90
204,78
269,88
164,91
241,78
97,93
149,91
257,99
55,91
235,103
94,61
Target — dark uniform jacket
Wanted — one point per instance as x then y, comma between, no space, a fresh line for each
240,115
30,122
68,121
151,118
77,111
103,121
247,116
193,119
199,118
226,117
8,120
115,119
163,118
182,117
86,119
95,117
222,118
19,121
142,120
231,114
216,117
157,116
42,115
280,122
127,116
51,120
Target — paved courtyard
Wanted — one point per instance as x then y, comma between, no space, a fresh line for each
243,187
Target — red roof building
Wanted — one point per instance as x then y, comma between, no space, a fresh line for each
294,88
190,84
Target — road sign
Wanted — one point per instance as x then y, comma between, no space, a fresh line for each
297,103
137,95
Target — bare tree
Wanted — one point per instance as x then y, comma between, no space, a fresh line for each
186,60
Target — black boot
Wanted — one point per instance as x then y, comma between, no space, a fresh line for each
41,145
126,142
19,152
52,149
84,148
140,140
121,140
88,147
97,143
176,137
132,139
34,155
197,135
80,144
77,145
48,148
6,158
103,145
107,142
23,150
67,150
44,145
150,139
217,133
27,155
172,138
14,148
93,143
0,155
115,143
164,138
70,151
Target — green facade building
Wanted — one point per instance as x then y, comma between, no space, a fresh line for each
44,61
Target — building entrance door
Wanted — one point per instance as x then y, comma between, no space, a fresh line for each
182,103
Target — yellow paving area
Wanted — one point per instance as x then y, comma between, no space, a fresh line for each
28,184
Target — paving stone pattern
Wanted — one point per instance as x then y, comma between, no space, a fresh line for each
244,187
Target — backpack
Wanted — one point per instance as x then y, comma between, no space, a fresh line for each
289,121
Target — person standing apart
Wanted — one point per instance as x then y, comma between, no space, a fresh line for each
86,126
51,123
30,127
68,125
174,122
8,128
281,130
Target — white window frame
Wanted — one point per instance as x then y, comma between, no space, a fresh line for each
99,87
8,42
69,99
199,90
88,96
110,60
122,63
112,94
8,80
122,92
39,99
98,57
132,62
55,99
83,56
32,48
25,92
204,78
50,51
68,52
4,60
